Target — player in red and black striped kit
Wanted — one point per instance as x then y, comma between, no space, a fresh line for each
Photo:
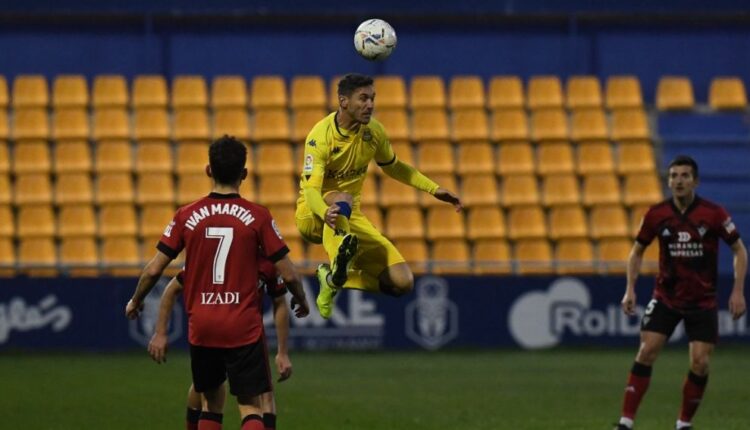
688,229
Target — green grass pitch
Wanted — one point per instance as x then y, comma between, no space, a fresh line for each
504,389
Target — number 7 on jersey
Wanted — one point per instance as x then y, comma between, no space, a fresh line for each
225,236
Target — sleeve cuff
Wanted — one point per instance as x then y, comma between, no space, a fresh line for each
278,255
277,293
388,163
167,250
643,242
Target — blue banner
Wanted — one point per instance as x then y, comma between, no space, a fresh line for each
442,312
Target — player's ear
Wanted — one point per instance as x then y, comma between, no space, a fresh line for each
208,171
343,102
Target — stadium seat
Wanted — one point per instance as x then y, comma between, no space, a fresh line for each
114,157
674,93
526,222
608,221
149,91
155,188
3,93
630,125
72,156
555,158
37,257
515,159
636,157
470,125
275,158
466,92
510,126
583,92
369,194
394,193
396,123
429,125
444,223
308,92
31,157
589,125
30,124
549,125
4,159
79,256
296,252
268,92
191,187
727,93
446,181
316,254
73,189
121,256
6,193
436,158
32,189
191,125
36,221
4,126
248,188
271,125
7,257
475,158
450,257
574,256
506,92
414,252
479,190
623,92
560,190
613,255
153,157
305,119
391,92
154,219
7,221
601,189
485,222
30,91
228,92
110,91
427,92
637,212
111,124
595,157
285,220
70,91
151,124
642,188
544,92
404,223
533,257
233,122
114,188
277,190
518,190
374,215
492,257
333,93
118,220
191,158
189,91
567,222
76,221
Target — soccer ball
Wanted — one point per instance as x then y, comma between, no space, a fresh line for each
375,39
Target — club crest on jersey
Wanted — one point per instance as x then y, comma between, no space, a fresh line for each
308,167
366,135
702,231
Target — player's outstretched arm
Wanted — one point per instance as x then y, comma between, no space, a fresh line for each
281,320
634,267
409,175
149,276
157,347
293,283
737,304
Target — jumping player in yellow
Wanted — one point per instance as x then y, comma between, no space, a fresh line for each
338,151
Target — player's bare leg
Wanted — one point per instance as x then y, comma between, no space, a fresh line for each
194,406
396,280
213,408
251,412
268,405
695,382
640,375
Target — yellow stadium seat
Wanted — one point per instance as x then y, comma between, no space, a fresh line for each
6,193
111,124
32,157
485,222
608,221
436,158
4,129
601,189
427,92
574,256
333,93
466,92
191,124
391,92
629,125
394,193
429,125
114,188
74,189
155,188
470,125
72,156
70,91
369,194
118,220
555,158
450,256
110,91
446,181
151,124
79,256
623,92
506,92
30,91
584,92
560,190
637,212
36,221
526,222
30,124
474,158
191,158
304,120
229,92
32,189
567,222
296,251
650,264
549,125
492,257
4,159
153,157
71,124
7,257
613,254
637,157
37,257
405,223
374,215
589,125
283,215
248,188
154,219
7,221
519,190
189,91
674,93
308,92
277,190
121,256
191,187
232,122
533,257
510,126
114,157
595,157
149,91
515,159
275,159
268,92
396,123
414,252
3,93
76,221
727,93
479,190
642,188
443,222
271,125
544,92
404,152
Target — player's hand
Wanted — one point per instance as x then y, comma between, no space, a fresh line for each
331,214
446,196
628,302
284,366
133,309
737,305
300,307
157,348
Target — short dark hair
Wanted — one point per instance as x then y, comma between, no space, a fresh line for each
351,82
685,160
227,157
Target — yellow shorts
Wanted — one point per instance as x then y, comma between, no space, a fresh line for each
375,252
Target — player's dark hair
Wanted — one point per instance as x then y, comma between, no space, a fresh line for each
685,160
227,156
351,82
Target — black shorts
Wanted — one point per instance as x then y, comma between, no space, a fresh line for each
700,325
246,367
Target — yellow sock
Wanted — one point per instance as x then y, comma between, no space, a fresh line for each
331,240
